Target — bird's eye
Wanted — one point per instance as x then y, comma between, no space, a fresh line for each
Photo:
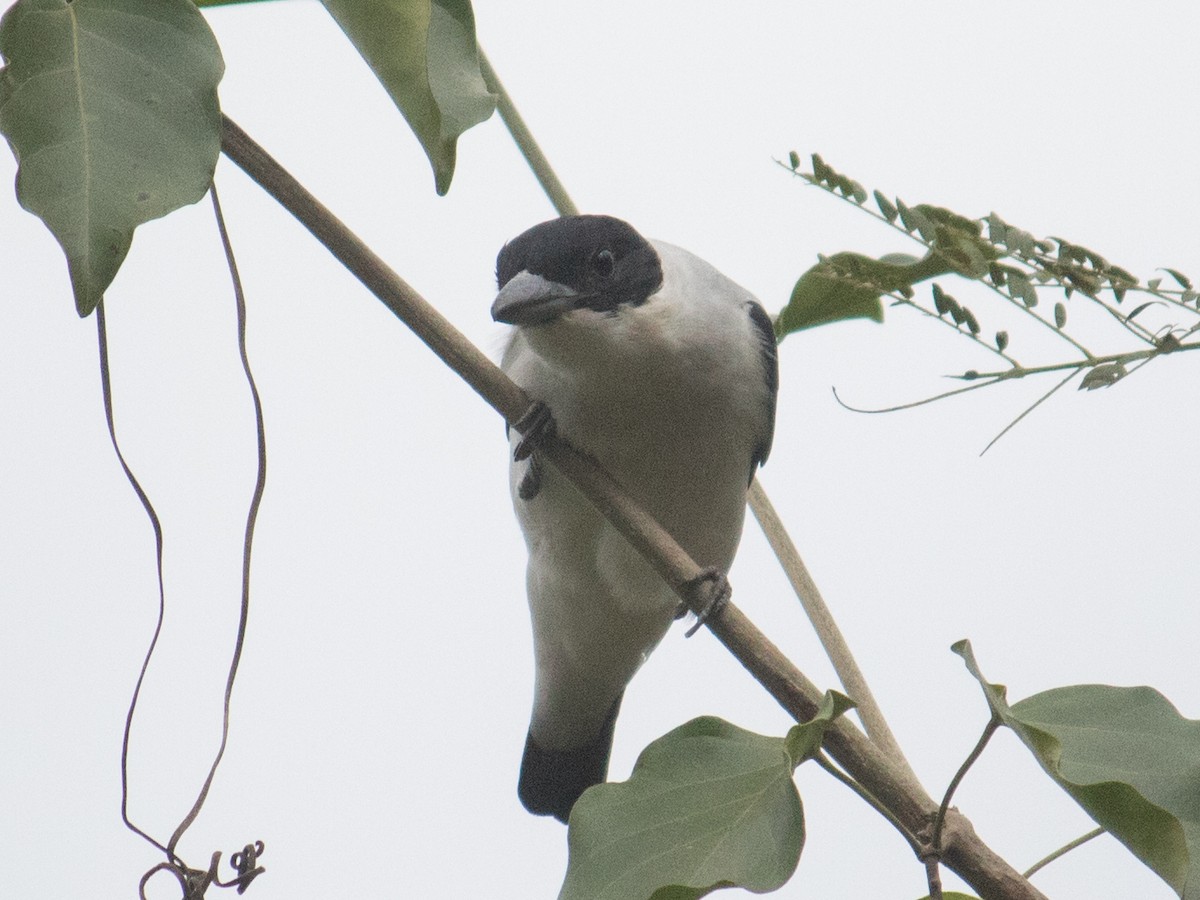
603,262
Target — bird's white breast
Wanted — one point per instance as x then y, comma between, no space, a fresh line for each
668,396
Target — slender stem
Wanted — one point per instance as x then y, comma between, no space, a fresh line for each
901,300
974,386
526,143
867,797
1040,400
1135,328
106,393
825,626
933,877
1063,850
1128,357
939,822
260,484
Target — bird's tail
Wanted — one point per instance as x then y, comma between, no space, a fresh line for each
552,780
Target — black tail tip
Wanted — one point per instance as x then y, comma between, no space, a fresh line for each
552,780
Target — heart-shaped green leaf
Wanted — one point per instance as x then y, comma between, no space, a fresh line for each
425,54
1127,757
110,107
708,805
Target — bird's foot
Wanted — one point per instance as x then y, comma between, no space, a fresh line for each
531,482
536,426
714,593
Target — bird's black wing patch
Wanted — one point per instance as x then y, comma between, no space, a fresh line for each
770,361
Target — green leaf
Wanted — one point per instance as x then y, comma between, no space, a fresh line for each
847,286
1060,315
804,740
1132,762
940,215
1102,376
914,219
1184,281
1001,340
958,239
886,207
971,321
1127,757
825,294
821,171
997,229
969,254
1117,274
110,107
1013,239
1143,307
425,54
995,694
708,805
941,300
1021,288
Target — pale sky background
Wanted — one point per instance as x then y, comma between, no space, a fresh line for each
382,704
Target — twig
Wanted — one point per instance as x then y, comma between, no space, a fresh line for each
260,484
823,761
1123,358
1040,400
526,143
939,822
981,383
156,526
1063,850
901,300
825,626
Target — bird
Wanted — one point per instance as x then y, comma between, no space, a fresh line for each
664,371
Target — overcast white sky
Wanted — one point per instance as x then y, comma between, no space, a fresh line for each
382,704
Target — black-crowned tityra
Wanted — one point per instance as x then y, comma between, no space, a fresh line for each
665,371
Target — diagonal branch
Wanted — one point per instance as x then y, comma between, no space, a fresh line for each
891,785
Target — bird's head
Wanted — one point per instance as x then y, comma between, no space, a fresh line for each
595,263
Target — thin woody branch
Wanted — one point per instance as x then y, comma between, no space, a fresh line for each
963,852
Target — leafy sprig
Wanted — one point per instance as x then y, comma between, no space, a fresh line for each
1011,263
